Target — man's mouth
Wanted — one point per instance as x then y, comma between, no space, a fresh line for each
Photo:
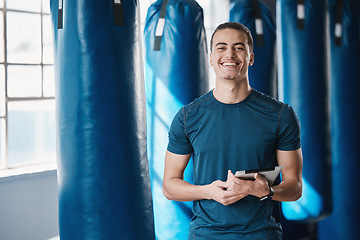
229,64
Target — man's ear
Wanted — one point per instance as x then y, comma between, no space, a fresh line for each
252,58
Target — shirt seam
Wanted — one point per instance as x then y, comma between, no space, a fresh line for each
278,111
185,114
279,120
274,108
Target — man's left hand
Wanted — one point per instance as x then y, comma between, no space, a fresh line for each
258,187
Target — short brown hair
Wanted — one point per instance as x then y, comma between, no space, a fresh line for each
236,26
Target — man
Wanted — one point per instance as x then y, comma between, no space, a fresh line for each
233,127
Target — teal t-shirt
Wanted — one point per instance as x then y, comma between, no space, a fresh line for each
237,136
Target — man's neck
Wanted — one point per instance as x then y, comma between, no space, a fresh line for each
231,92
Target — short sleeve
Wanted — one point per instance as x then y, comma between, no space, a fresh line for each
178,141
289,136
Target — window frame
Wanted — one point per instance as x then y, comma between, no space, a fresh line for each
4,134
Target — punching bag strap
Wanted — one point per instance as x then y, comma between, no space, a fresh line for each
258,25
300,14
60,15
118,12
159,30
338,22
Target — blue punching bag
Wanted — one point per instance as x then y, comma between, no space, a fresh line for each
103,178
176,73
257,17
345,118
303,75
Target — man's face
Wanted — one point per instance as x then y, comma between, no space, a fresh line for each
231,55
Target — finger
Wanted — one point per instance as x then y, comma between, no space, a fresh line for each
233,198
260,179
230,174
230,195
230,179
258,176
221,184
235,179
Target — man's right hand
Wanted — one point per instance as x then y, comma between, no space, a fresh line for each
218,191
175,188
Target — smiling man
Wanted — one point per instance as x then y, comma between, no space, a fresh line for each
233,127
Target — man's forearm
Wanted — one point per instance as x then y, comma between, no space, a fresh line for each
180,190
286,191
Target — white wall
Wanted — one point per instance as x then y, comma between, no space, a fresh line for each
29,207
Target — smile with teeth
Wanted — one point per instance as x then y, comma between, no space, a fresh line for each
229,64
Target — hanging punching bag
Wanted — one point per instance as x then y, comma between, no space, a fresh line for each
176,73
103,178
257,17
345,115
303,75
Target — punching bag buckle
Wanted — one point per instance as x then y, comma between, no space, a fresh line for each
300,14
159,31
118,12
60,15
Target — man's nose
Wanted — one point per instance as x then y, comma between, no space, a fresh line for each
230,52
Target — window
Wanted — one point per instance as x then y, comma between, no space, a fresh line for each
27,95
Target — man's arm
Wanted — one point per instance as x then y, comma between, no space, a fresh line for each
175,188
290,188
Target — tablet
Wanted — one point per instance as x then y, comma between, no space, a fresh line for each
269,173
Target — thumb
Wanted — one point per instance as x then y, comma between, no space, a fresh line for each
257,176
